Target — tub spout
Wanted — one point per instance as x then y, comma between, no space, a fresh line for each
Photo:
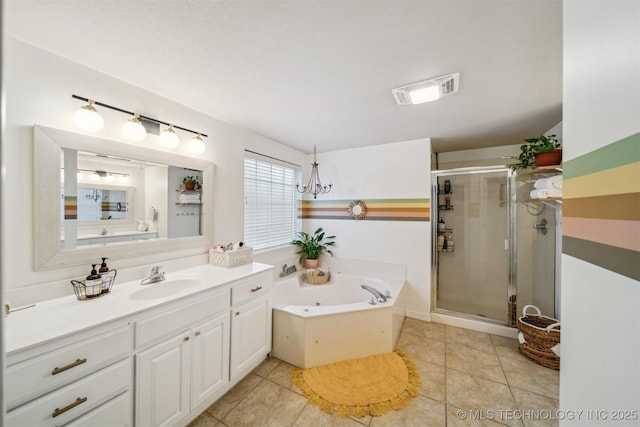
377,294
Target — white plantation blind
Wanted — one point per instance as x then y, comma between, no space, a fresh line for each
270,202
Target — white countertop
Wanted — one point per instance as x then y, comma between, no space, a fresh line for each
60,317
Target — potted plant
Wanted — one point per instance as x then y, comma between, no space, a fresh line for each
191,183
540,151
310,247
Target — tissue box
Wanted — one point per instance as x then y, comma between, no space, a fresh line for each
231,258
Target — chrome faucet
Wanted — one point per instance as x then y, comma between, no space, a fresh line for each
156,275
377,294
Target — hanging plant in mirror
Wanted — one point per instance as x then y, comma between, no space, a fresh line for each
357,209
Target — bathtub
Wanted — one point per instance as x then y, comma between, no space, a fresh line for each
318,324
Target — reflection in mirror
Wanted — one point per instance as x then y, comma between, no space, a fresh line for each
120,195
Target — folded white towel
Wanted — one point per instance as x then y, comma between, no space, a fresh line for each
189,198
556,349
551,183
545,193
521,339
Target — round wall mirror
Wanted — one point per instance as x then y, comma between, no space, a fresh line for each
357,209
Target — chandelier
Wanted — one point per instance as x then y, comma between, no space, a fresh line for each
314,186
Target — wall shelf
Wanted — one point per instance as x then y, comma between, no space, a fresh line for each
540,170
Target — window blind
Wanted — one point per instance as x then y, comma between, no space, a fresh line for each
271,203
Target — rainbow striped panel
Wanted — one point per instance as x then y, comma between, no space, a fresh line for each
377,209
601,207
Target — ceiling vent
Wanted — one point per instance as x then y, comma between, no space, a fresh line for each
427,90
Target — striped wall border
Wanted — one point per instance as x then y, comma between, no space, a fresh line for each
601,207
377,209
70,207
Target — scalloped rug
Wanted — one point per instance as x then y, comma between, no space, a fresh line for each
371,385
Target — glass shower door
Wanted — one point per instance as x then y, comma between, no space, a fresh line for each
472,247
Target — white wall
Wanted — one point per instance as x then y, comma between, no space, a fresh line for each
389,171
600,359
38,88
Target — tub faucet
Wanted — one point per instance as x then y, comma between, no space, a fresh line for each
378,295
156,275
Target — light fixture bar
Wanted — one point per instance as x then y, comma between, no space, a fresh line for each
151,119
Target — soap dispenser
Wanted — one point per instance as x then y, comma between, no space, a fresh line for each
104,275
93,284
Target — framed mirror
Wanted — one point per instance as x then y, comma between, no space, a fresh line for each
109,199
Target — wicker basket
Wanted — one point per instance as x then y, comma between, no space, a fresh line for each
317,280
539,335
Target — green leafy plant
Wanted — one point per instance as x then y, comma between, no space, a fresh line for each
312,246
541,144
191,181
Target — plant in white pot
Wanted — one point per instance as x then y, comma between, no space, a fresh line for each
311,246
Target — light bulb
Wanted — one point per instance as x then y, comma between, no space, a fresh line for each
133,129
110,178
424,94
94,177
87,118
79,176
195,145
124,179
169,138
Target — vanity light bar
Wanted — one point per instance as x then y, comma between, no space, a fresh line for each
131,113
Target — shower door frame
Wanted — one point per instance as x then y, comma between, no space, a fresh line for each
510,243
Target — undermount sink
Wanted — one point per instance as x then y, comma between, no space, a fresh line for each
164,289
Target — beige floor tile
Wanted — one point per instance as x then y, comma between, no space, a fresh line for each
469,392
204,420
268,365
474,362
422,349
423,412
527,375
505,346
535,410
312,416
433,380
474,339
431,330
234,396
282,375
457,417
269,404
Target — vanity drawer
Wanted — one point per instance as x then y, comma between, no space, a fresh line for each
168,323
31,378
75,399
115,413
251,287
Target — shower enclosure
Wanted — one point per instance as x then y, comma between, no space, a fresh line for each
493,248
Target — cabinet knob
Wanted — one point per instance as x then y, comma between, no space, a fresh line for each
185,339
237,313
197,333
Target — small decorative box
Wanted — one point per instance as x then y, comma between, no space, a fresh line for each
231,258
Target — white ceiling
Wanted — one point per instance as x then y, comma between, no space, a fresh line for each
321,72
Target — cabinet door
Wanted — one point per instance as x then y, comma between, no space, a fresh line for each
162,382
209,358
250,334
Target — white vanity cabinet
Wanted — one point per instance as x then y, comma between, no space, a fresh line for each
185,368
250,323
56,382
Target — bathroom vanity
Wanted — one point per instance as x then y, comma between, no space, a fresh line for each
154,355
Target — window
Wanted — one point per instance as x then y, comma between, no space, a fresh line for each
271,202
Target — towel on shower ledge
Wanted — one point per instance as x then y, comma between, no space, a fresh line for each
551,183
545,193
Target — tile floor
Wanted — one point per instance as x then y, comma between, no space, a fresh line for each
469,378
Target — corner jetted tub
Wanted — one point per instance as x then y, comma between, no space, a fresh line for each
318,324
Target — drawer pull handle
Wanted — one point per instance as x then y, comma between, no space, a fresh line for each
57,370
59,411
256,289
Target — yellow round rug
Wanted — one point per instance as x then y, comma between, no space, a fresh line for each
371,385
